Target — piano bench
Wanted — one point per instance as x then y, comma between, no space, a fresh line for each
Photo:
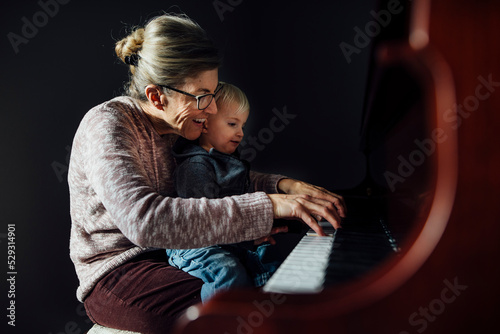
97,329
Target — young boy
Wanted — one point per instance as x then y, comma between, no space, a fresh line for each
211,168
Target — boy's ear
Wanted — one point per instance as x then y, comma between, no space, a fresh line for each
156,97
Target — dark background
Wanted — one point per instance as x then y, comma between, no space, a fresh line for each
283,54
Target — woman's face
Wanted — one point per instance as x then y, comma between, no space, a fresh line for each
181,111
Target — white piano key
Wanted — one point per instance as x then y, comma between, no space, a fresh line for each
303,271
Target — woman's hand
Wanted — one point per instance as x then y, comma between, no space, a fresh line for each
295,187
305,201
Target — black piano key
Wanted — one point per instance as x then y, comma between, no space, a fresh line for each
359,246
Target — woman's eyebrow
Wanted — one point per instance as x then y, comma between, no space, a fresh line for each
205,90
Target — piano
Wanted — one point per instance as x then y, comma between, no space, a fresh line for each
419,249
344,254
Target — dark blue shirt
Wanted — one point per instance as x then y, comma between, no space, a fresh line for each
210,174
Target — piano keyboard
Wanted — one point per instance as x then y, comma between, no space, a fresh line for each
303,271
343,254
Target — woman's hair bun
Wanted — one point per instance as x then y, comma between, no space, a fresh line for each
128,47
169,49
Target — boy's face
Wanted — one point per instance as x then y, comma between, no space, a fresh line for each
224,130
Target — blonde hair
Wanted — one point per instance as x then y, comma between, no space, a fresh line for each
169,49
229,94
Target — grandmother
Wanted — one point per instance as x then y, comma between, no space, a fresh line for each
123,202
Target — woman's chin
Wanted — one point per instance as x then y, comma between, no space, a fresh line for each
192,135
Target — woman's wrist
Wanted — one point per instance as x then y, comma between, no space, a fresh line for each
284,185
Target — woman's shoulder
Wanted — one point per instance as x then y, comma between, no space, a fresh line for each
116,118
119,112
116,108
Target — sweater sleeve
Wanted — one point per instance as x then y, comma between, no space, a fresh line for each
267,183
122,184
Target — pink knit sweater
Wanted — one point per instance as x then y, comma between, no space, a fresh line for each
122,197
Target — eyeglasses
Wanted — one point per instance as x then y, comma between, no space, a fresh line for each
203,101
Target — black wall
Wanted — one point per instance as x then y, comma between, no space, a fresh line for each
58,62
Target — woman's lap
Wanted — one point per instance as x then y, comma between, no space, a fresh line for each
144,295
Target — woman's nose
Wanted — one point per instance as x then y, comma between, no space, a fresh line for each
212,108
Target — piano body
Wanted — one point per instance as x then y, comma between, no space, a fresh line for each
419,250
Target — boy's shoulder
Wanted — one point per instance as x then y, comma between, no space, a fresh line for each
184,149
189,155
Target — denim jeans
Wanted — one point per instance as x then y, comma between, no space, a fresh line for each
224,266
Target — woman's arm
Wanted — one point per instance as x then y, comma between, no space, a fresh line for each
267,183
124,184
